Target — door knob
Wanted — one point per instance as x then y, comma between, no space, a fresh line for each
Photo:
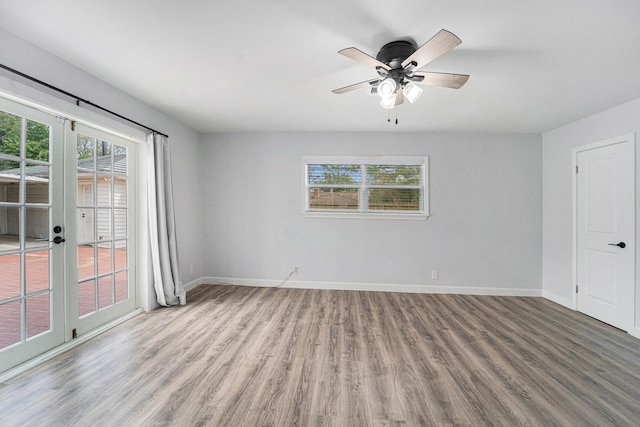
621,245
57,240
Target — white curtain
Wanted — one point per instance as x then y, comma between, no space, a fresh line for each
162,229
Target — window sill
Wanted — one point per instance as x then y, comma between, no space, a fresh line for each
360,215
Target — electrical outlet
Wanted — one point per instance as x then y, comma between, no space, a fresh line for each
434,275
295,270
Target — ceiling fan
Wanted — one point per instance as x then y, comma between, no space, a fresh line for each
397,65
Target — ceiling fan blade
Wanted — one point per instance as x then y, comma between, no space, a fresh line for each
399,97
363,58
453,81
437,45
354,86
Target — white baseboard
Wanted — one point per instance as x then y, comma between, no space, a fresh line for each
380,287
566,302
192,284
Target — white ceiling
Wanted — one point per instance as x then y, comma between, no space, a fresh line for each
245,66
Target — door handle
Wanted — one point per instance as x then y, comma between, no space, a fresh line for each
621,245
57,240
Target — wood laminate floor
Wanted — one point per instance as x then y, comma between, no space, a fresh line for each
240,356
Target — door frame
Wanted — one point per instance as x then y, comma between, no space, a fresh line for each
574,165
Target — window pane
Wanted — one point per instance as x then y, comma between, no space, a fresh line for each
38,314
394,174
37,141
86,297
37,227
104,190
86,262
120,191
86,225
119,160
104,224
120,223
394,199
10,276
36,271
120,261
12,189
9,134
122,287
10,326
86,152
104,161
333,198
334,174
85,189
9,234
104,258
105,289
37,177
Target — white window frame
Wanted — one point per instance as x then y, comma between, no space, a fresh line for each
363,211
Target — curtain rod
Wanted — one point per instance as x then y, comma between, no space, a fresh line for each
79,100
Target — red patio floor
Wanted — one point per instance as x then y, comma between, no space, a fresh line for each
37,279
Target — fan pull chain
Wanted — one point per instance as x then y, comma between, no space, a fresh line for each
389,115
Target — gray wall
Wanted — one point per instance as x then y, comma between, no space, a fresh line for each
557,189
484,231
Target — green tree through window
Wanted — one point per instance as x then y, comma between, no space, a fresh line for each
388,180
36,144
334,174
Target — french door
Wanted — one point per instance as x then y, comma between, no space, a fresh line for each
31,206
100,245
67,245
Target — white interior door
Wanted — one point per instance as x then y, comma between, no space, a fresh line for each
101,245
31,206
605,188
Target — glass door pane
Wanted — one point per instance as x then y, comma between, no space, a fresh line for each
30,202
102,188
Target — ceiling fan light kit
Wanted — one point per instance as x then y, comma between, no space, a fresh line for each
397,64
412,92
387,88
389,102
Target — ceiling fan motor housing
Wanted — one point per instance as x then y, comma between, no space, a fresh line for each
394,53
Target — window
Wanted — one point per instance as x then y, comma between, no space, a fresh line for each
369,187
